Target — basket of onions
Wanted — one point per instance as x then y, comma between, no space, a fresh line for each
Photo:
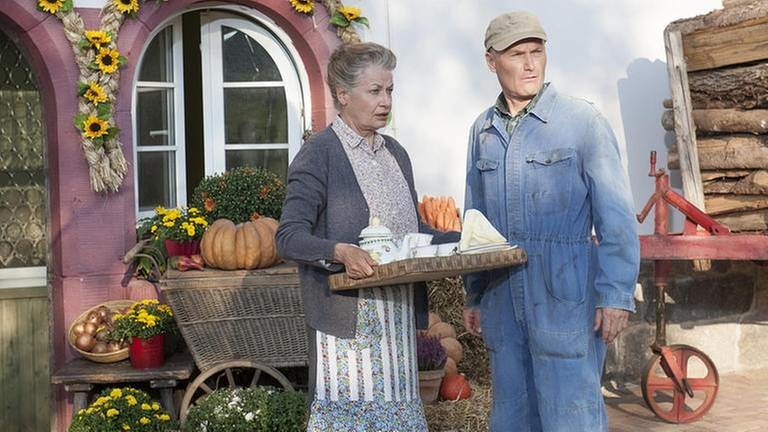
89,333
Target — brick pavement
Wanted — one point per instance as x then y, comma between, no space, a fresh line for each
741,406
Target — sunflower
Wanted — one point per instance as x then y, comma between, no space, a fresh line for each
97,38
126,6
108,60
51,6
95,93
351,13
303,6
94,127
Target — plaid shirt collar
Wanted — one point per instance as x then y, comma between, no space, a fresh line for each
352,139
503,111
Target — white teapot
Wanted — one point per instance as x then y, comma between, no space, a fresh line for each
378,241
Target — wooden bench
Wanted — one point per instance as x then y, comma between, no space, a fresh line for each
80,376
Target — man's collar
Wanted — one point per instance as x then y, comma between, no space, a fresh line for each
541,107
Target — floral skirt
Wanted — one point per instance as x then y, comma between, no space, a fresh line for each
370,383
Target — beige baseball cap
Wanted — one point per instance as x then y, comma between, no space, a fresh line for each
512,27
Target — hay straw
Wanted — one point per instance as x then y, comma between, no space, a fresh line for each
469,415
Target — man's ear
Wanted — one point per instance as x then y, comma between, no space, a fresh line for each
490,59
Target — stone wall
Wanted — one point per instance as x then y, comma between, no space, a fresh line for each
722,312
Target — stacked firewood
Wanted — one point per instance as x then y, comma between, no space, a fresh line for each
726,53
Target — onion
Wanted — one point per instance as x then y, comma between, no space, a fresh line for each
85,342
90,328
102,336
99,348
103,312
93,317
78,328
113,346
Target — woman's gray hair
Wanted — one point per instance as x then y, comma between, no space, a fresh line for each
349,60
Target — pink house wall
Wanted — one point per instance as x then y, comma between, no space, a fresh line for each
90,232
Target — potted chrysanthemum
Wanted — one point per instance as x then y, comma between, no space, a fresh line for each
123,409
180,229
145,323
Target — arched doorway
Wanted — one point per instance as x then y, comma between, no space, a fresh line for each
24,327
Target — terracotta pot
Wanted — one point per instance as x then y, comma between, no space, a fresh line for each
182,248
148,353
429,384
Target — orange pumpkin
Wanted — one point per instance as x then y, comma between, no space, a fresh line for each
455,387
249,245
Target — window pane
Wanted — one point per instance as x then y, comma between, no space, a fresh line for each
157,180
23,199
157,64
255,115
154,109
275,160
244,59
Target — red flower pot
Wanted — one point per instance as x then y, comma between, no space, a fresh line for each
147,353
182,248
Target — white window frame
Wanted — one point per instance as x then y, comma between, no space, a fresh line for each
214,85
177,84
23,277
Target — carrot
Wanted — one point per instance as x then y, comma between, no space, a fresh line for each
422,214
428,211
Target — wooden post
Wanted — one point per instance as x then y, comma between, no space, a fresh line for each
684,127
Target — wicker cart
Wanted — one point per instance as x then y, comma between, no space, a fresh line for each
239,326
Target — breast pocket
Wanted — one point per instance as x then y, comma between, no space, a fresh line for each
551,175
490,177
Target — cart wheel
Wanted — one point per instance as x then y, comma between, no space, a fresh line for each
231,374
666,400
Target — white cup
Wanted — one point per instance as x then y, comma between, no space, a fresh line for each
427,251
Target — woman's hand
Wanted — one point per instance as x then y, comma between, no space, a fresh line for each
357,261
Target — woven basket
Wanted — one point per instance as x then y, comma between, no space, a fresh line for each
232,315
111,357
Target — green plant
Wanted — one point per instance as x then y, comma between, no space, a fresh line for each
240,194
122,409
179,223
254,409
144,319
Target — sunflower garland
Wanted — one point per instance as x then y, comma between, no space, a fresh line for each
303,6
108,60
93,92
54,6
95,39
129,7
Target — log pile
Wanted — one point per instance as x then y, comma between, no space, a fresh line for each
726,54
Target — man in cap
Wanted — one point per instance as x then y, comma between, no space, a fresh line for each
546,171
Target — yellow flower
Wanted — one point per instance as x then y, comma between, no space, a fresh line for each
303,6
146,407
155,406
95,94
51,6
126,6
94,127
153,229
116,393
112,412
126,427
108,60
351,13
131,400
163,417
97,38
145,420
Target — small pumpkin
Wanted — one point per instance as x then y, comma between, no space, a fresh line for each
453,348
249,245
442,330
455,387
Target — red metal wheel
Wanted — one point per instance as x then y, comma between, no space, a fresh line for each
684,400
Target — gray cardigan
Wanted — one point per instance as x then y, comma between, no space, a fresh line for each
325,206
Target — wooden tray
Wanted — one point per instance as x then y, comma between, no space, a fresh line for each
426,269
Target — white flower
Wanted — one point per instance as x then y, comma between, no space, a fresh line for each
249,416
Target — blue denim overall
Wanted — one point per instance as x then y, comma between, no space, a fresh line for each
546,186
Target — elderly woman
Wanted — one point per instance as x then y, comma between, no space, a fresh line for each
362,343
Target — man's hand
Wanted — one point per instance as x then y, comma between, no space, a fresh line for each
357,262
611,322
472,321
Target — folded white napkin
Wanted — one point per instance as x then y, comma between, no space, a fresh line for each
478,235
